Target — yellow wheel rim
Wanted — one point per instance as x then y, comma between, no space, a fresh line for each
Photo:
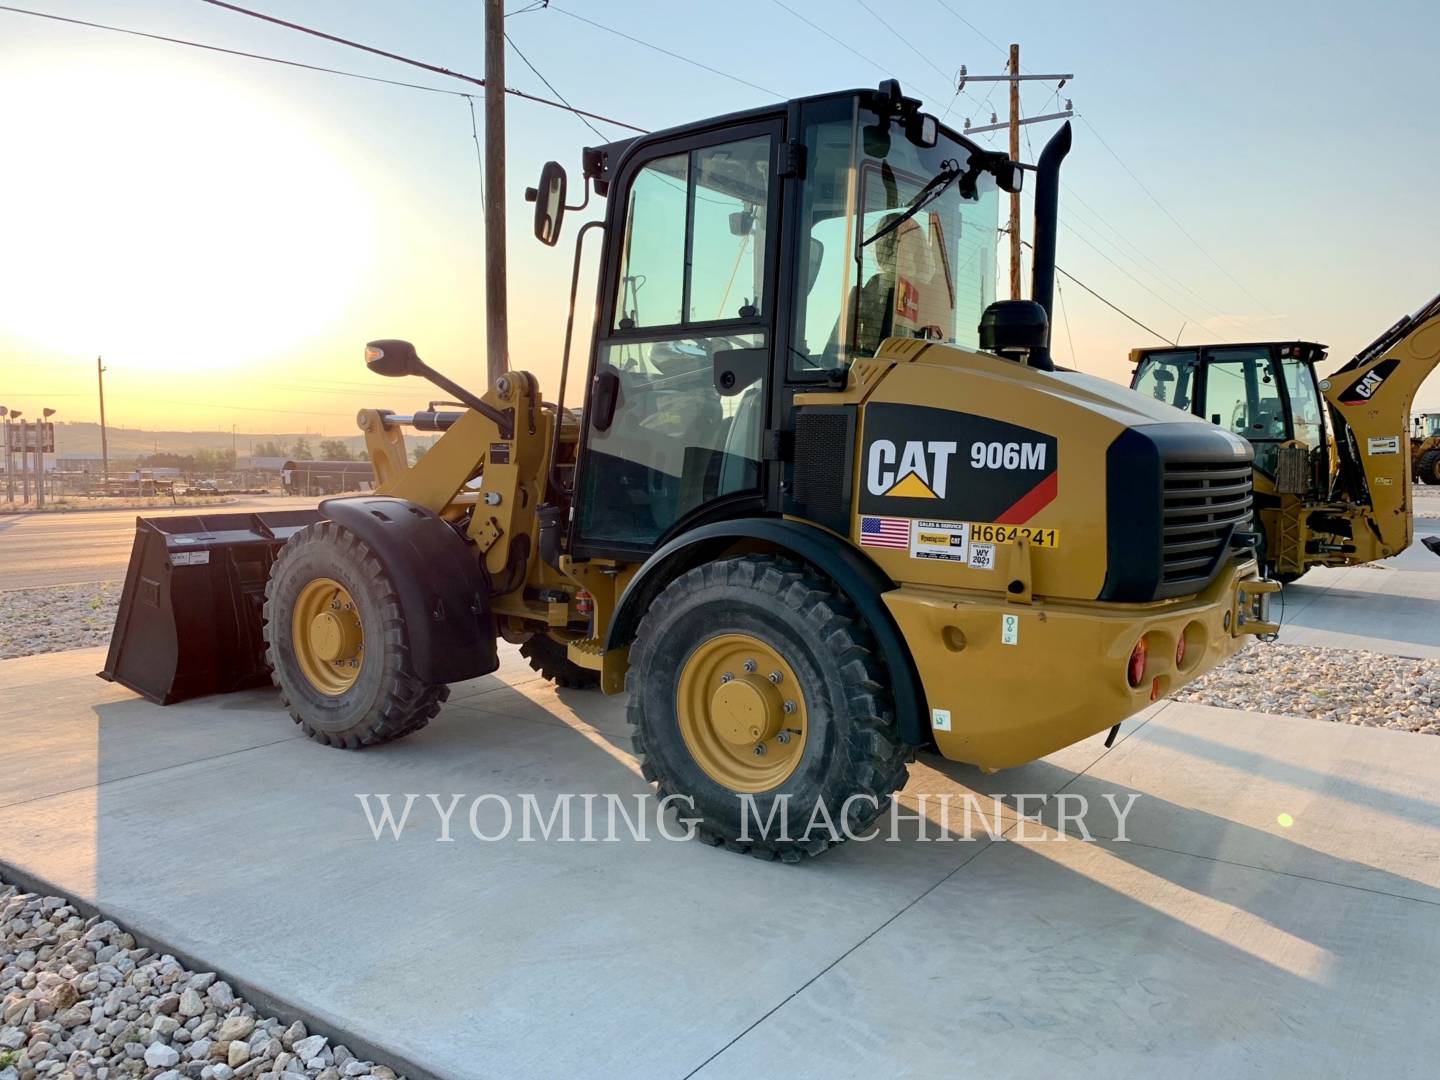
741,712
328,639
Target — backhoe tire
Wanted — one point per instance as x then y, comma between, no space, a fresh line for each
369,695
1429,467
548,658
801,678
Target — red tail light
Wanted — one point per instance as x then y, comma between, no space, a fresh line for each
1180,651
584,603
1136,669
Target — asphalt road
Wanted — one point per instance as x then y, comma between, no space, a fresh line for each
70,548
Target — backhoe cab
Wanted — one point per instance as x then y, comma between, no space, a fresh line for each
827,501
1336,497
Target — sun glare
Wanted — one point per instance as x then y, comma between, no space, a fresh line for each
171,218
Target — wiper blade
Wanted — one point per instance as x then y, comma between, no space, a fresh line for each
937,186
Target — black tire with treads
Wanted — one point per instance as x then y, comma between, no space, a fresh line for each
853,747
387,700
548,658
1429,467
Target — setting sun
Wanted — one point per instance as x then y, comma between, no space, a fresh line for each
178,219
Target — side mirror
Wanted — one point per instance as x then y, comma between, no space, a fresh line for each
392,357
604,395
877,138
1009,176
549,200
922,129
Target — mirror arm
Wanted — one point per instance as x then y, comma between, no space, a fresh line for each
555,482
503,421
583,202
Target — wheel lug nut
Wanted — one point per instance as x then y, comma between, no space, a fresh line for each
759,749
789,706
726,677
783,738
751,665
775,676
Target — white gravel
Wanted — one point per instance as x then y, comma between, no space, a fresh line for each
79,999
57,617
1340,685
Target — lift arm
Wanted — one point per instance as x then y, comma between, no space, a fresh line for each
1370,399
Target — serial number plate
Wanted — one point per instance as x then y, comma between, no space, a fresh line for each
1008,534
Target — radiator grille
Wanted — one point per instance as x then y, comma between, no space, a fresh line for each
1204,503
824,449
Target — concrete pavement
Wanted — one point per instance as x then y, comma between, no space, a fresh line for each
75,547
1212,941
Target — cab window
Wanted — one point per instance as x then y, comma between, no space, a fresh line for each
1168,377
1304,403
1242,394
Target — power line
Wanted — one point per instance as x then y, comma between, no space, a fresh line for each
659,49
973,27
1064,314
526,60
299,64
1173,219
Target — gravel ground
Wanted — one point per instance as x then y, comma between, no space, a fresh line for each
1340,685
79,999
57,617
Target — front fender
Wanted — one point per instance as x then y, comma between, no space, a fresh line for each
444,598
854,574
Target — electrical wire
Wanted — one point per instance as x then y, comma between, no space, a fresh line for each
974,28
659,49
1173,219
550,86
1064,314
189,43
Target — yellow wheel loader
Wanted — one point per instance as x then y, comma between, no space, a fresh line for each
1336,498
1425,448
825,504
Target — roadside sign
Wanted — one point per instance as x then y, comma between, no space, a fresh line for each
24,437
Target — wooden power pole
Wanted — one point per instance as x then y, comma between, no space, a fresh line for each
1015,156
497,354
104,442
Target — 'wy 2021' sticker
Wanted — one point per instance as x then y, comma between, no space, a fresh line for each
928,463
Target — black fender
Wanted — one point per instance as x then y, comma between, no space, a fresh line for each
444,597
853,573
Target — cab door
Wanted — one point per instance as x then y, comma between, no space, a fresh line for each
676,412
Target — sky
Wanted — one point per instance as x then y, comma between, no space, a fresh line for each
228,233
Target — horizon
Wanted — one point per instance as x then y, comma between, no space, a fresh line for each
270,220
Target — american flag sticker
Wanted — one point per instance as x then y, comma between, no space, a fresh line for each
885,532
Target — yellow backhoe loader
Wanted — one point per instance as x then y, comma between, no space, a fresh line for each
826,503
1425,448
1336,498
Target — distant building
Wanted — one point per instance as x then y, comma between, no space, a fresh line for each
326,477
258,464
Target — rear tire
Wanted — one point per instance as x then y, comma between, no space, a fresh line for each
376,699
548,658
696,637
1429,467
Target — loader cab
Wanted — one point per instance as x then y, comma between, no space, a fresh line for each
750,258
1266,392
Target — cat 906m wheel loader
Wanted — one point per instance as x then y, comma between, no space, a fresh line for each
826,503
1336,499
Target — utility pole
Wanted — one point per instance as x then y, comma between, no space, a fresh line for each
1013,125
104,444
9,460
497,353
25,461
1015,156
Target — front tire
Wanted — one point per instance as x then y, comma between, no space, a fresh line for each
754,678
337,644
1429,467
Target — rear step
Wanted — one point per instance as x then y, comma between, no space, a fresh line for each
1433,543
191,612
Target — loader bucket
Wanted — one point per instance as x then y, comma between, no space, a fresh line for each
190,614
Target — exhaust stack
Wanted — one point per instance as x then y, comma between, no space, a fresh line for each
1047,219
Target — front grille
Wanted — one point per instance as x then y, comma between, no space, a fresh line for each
1205,502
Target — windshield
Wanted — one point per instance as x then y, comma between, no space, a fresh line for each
1168,377
870,272
1304,404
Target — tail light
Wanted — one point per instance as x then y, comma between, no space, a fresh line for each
1180,651
584,603
1136,668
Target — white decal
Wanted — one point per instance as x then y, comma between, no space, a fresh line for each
1009,629
889,468
982,556
947,540
1384,444
1007,455
940,719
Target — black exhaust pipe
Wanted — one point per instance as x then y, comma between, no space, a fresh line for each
1047,222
